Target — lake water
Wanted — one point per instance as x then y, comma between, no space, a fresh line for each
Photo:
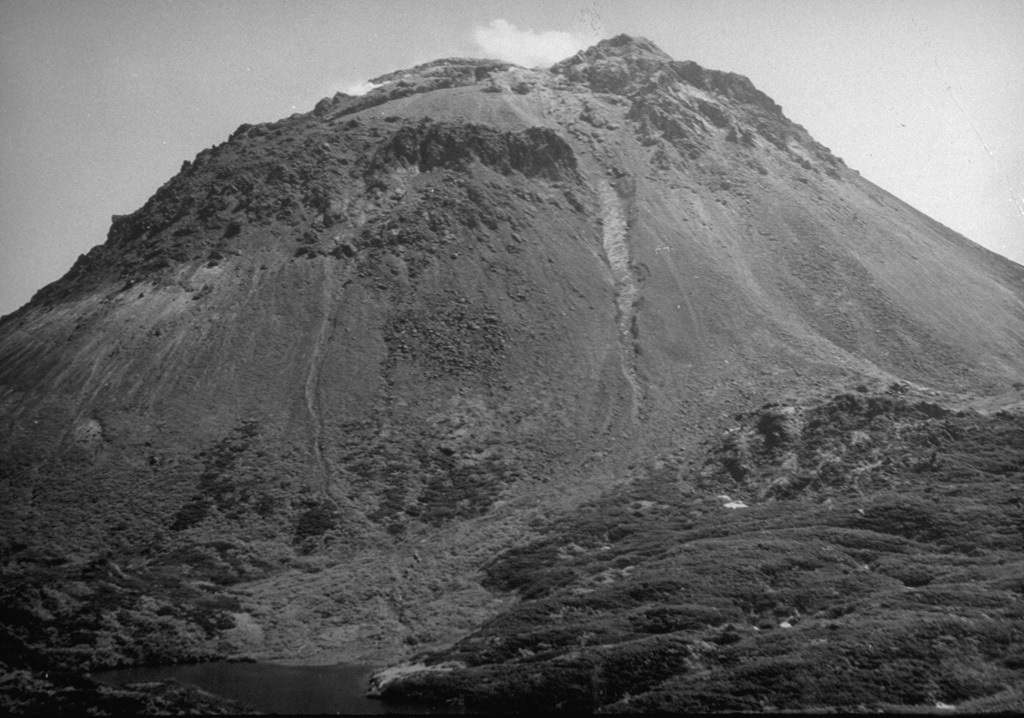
271,688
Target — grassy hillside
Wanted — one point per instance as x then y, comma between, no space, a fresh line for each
871,560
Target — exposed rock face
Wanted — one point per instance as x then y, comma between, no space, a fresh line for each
341,360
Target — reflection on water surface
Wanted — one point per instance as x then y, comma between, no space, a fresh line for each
272,688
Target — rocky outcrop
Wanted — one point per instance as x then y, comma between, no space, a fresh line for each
625,65
621,65
430,76
535,152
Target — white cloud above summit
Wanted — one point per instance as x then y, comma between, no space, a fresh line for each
504,41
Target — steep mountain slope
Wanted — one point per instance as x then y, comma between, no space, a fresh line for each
338,362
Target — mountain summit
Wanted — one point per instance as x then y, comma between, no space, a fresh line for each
341,362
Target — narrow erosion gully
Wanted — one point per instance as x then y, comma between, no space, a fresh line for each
312,388
616,250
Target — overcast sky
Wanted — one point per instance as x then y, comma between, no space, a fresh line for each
101,101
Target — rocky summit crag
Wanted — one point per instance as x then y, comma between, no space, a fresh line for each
597,387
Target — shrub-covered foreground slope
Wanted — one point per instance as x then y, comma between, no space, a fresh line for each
863,553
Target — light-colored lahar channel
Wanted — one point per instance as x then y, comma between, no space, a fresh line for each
613,237
312,392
